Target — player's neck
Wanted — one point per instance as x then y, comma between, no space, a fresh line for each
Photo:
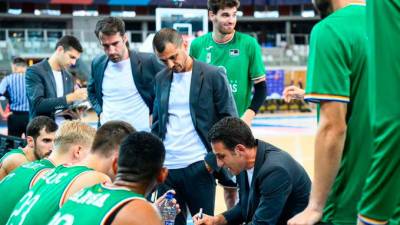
57,159
221,38
29,154
251,157
53,63
134,187
343,3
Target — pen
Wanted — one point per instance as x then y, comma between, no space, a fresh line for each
201,213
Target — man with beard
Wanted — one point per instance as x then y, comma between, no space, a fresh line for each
336,81
40,142
240,56
72,143
49,87
191,97
238,53
121,85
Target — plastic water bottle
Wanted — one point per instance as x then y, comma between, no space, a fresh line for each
168,210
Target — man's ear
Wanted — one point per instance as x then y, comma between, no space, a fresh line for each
125,38
60,49
211,15
30,142
240,149
185,45
115,163
162,176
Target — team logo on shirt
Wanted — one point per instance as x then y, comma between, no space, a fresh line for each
234,52
208,57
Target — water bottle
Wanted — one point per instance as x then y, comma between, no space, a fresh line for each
168,210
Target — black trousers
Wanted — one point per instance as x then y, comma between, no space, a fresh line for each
17,122
194,187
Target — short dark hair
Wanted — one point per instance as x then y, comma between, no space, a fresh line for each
141,157
38,123
110,26
68,42
232,131
215,5
109,136
18,61
164,36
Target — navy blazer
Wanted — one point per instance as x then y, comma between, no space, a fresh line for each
280,189
210,100
41,90
145,66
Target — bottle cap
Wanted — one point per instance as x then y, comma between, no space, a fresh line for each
169,196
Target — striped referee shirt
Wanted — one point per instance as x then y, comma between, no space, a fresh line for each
15,85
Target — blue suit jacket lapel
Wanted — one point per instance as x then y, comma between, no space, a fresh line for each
165,89
50,75
100,73
260,158
195,87
136,66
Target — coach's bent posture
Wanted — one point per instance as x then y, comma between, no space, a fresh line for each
272,185
191,97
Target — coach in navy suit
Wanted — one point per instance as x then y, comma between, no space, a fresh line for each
273,187
48,86
191,96
122,82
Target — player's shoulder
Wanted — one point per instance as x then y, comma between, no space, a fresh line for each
202,39
207,68
245,38
137,211
13,161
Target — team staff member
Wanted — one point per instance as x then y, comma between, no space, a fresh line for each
380,201
240,56
337,80
122,82
14,85
238,53
40,143
273,186
48,86
191,97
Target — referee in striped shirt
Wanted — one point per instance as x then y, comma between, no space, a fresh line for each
14,86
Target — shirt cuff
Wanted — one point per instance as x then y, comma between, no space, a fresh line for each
325,97
369,221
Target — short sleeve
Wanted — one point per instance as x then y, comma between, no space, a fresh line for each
257,68
328,70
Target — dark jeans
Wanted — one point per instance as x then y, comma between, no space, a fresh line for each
194,187
17,122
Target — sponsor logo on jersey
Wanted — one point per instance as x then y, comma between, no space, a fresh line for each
234,52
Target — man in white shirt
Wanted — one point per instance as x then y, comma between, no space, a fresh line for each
190,97
48,86
121,86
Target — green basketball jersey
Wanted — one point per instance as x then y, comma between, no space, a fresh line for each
337,72
17,183
94,205
241,58
11,152
44,199
380,200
